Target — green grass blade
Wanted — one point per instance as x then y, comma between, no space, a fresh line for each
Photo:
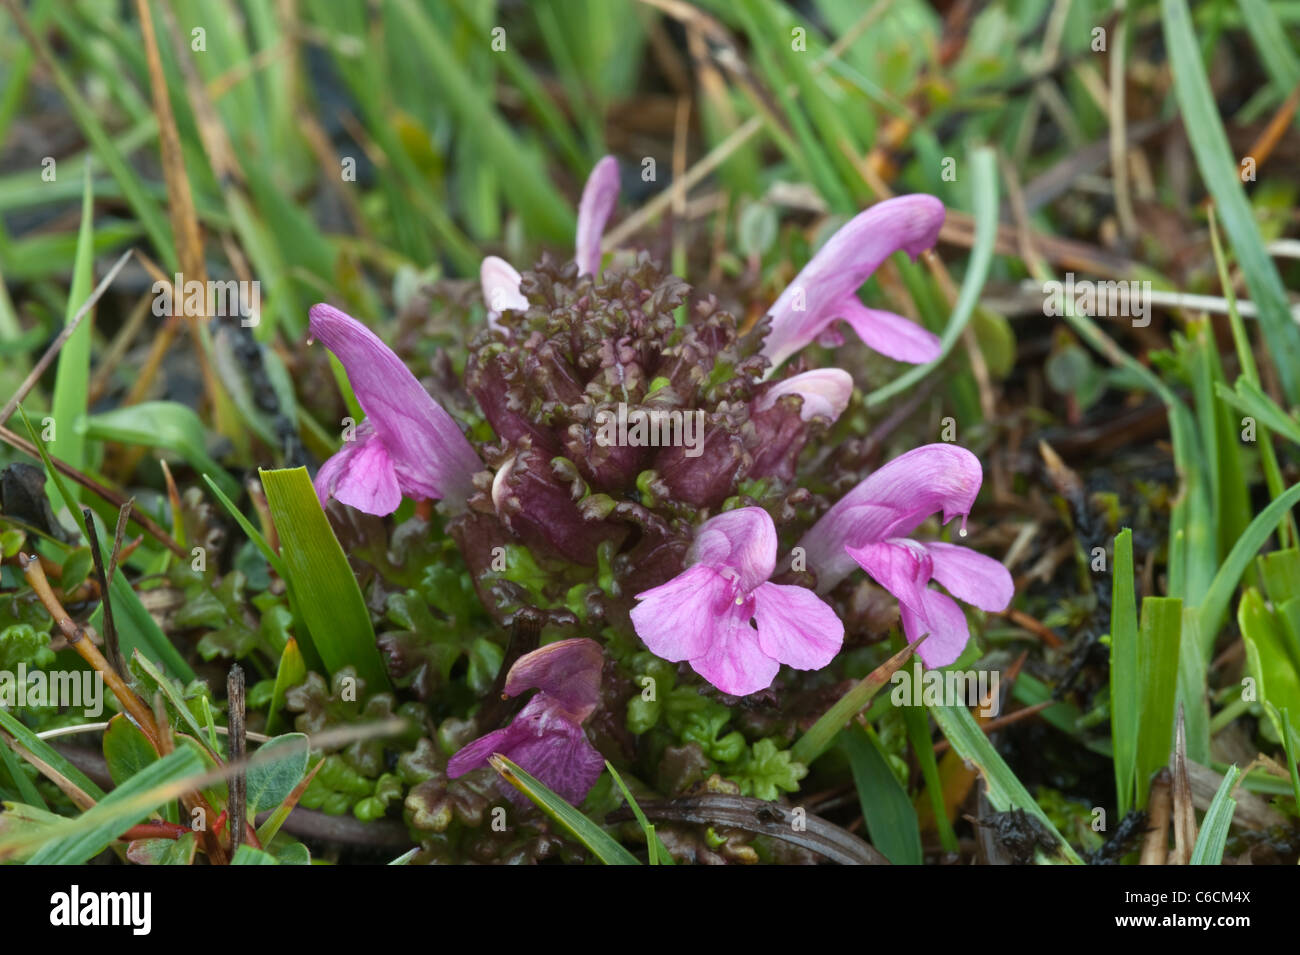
1124,711
659,854
1219,172
822,733
1270,39
1157,674
97,827
1218,820
886,808
1005,791
1215,603
250,531
601,844
47,753
161,424
325,589
72,380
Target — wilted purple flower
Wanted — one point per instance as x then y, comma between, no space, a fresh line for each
703,614
407,445
781,430
826,288
546,737
500,280
868,527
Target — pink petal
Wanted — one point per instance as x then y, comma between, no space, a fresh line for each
734,661
970,576
825,392
901,566
598,198
563,759
500,282
741,541
545,743
429,454
475,754
367,480
890,334
944,621
675,620
891,503
796,627
849,257
568,672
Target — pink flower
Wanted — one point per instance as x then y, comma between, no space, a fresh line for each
500,280
546,737
704,614
869,528
407,445
826,288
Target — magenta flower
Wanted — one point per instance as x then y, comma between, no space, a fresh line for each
704,614
500,280
869,528
546,737
826,288
407,445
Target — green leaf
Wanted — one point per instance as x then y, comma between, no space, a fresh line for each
822,733
1248,397
290,672
325,590
164,851
126,749
271,781
161,424
1124,708
600,843
28,823
72,380
1219,172
1157,674
1215,602
659,853
1005,791
889,814
1218,820
251,532
47,754
1267,657
247,855
89,834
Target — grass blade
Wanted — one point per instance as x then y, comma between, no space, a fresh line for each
116,812
1219,172
659,854
1218,820
1157,676
889,814
601,844
1005,791
1124,711
325,589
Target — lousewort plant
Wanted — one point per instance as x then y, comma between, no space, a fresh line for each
671,546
